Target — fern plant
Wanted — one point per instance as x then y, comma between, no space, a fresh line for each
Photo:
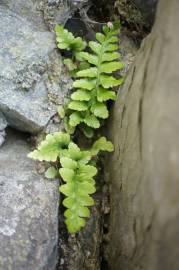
87,109
94,84
77,171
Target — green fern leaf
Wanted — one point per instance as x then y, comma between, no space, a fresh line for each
51,173
95,47
74,151
50,148
100,37
75,119
87,171
85,158
92,59
78,105
67,174
81,95
100,110
113,39
110,56
104,95
92,121
91,72
84,84
84,200
61,111
111,67
110,81
68,163
112,47
102,145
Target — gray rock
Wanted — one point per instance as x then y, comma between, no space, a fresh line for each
29,67
29,211
30,10
148,8
3,122
56,11
3,125
143,170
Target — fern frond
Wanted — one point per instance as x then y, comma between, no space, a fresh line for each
97,80
79,185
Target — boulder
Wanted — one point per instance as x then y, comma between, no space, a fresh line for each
144,169
29,210
30,72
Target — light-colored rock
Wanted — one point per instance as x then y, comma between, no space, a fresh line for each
30,71
144,169
28,210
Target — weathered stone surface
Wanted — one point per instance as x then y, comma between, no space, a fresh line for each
143,171
29,211
43,14
147,7
31,10
3,125
30,71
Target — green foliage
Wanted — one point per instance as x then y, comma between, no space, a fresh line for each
53,146
51,173
67,41
79,185
94,84
76,171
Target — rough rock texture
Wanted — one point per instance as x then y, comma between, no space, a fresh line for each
3,125
29,210
30,10
30,73
147,7
143,171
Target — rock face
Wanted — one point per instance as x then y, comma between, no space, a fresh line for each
29,211
147,7
30,72
143,171
3,125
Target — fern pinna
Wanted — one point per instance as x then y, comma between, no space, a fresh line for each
94,85
76,171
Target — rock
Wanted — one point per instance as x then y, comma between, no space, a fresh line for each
148,8
30,10
3,125
29,210
43,14
30,69
56,11
143,171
